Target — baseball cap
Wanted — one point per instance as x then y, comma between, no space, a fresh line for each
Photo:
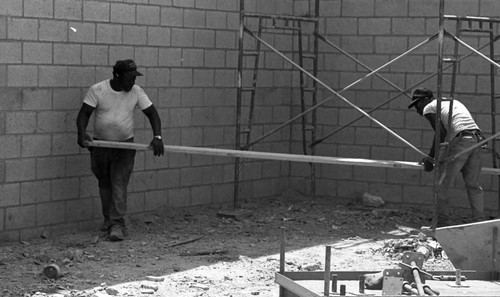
122,66
418,94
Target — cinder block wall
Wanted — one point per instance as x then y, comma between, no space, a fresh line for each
376,31
51,51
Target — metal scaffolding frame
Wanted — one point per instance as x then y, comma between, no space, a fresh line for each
312,141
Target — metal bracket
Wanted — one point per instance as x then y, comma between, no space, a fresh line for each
393,282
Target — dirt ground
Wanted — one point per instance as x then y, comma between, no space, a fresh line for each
215,252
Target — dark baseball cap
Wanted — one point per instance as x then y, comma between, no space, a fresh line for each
419,94
128,65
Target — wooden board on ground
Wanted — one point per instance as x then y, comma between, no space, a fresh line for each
472,246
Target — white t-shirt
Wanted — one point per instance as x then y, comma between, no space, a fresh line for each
461,117
114,111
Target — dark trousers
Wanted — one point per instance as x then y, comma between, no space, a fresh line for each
113,168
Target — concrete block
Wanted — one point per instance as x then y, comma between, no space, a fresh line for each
123,13
10,194
53,76
50,213
178,197
225,78
20,122
406,26
36,145
148,15
206,4
201,195
51,121
81,76
358,8
215,58
228,5
11,7
20,170
119,53
390,8
158,36
61,145
19,217
95,55
96,11
170,57
181,77
194,18
213,136
35,192
134,34
225,39
172,17
374,26
135,203
67,54
22,29
22,76
190,176
489,8
358,44
79,210
66,98
203,77
88,186
158,77
192,57
168,178
422,194
182,37
51,30
109,34
233,20
183,3
391,44
11,52
3,27
423,8
204,38
50,167
156,200
143,181
216,20
224,115
146,56
11,146
179,117
192,97
223,193
68,9
38,53
64,189
82,33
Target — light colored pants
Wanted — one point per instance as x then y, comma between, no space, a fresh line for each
470,165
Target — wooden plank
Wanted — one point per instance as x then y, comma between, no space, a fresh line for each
293,287
272,156
471,246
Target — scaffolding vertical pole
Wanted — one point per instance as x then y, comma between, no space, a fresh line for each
493,109
437,136
314,95
237,161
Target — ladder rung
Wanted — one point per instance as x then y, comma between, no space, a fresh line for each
450,60
280,28
309,128
250,53
244,130
247,89
309,56
309,89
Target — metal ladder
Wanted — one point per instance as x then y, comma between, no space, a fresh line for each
246,89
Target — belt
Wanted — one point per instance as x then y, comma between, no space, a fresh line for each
463,133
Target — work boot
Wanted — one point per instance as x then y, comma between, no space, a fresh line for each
116,233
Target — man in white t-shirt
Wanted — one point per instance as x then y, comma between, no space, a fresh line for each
464,133
113,103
